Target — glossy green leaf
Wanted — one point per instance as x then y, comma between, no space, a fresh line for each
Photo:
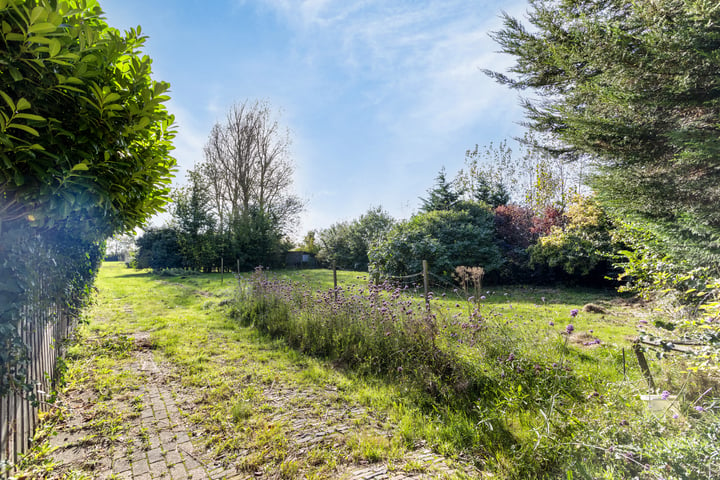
8,100
37,13
45,27
24,128
112,97
30,116
14,37
15,73
55,47
81,167
22,104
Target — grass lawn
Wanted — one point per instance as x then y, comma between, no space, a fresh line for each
496,385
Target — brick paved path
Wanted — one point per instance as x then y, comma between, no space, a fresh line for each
146,436
155,443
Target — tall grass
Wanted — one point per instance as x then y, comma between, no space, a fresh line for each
513,393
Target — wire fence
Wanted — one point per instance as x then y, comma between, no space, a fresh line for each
42,326
416,280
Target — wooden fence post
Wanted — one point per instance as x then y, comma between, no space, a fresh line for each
643,365
426,283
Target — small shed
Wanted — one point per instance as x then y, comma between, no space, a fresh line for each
299,259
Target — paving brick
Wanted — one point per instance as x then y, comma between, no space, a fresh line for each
191,463
172,457
121,465
178,472
167,436
197,474
155,455
139,468
159,468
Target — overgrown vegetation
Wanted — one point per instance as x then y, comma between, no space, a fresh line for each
633,88
526,391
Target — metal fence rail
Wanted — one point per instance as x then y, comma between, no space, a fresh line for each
43,330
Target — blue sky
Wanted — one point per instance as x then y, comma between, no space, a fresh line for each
378,94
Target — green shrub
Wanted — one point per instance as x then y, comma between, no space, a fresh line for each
446,239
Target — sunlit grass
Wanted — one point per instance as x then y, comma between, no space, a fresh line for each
522,399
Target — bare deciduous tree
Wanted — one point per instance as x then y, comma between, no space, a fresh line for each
248,165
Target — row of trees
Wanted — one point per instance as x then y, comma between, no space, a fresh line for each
533,228
237,208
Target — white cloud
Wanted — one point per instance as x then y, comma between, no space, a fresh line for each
423,57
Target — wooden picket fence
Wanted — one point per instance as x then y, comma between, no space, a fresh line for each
43,330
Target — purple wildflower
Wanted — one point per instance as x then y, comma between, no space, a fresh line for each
665,394
551,323
569,329
574,312
699,408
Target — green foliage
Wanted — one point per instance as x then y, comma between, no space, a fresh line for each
531,177
635,85
446,239
689,294
85,136
584,247
159,248
310,243
493,194
347,244
84,154
43,273
251,240
442,196
195,222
